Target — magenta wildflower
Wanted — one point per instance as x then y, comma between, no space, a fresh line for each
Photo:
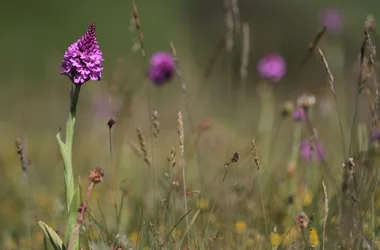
332,19
272,67
162,67
83,59
299,114
312,150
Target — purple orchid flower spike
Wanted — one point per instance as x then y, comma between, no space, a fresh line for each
83,59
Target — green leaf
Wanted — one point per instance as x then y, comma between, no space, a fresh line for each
53,237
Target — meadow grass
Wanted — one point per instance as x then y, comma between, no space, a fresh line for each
176,180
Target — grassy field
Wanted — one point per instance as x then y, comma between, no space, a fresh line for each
233,152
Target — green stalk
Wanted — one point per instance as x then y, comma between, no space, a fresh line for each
292,184
72,195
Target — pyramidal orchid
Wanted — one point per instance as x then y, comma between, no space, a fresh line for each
82,62
83,59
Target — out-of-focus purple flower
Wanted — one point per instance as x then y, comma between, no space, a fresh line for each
312,150
272,67
107,106
299,114
375,135
83,59
162,67
332,19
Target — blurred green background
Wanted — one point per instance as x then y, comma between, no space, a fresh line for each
34,97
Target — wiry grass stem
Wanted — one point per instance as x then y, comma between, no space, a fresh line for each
110,124
147,90
256,159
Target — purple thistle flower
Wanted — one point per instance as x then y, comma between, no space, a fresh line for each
332,19
272,67
162,67
299,114
312,150
83,59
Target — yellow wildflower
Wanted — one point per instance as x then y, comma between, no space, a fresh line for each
275,239
377,202
133,238
308,199
202,204
313,238
240,226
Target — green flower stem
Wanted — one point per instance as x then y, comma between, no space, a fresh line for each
292,184
265,128
296,142
72,197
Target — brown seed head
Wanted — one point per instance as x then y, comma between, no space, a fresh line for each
110,123
302,221
171,159
181,135
96,175
255,154
155,119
